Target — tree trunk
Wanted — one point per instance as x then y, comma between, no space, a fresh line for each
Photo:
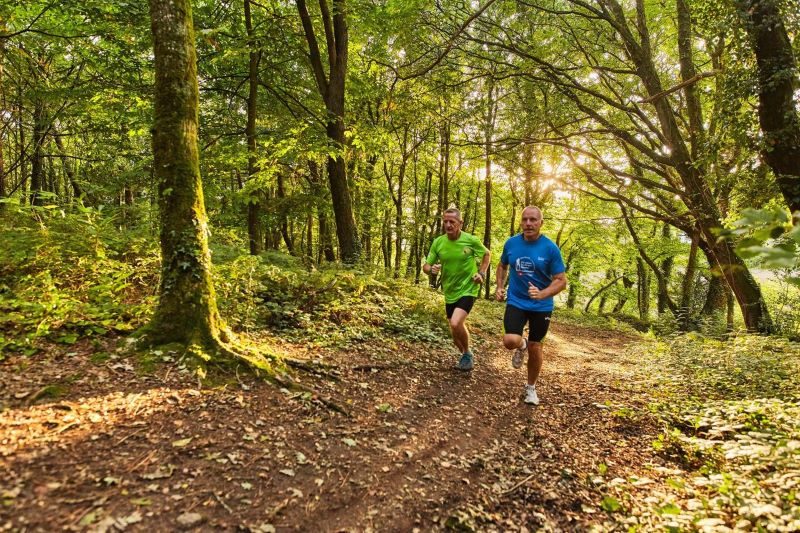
622,300
666,274
37,161
284,225
386,241
325,237
309,248
687,285
398,220
68,170
23,153
253,205
369,209
745,289
777,109
332,89
3,110
715,301
491,114
187,309
643,289
445,172
572,289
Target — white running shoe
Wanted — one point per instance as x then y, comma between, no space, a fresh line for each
519,354
530,395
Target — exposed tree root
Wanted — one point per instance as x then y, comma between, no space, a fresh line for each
291,384
321,369
224,351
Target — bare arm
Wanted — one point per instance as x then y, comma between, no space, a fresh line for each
500,278
486,261
480,277
558,284
431,269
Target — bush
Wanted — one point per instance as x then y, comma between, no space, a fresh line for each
329,305
75,276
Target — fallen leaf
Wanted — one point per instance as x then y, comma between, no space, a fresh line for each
189,520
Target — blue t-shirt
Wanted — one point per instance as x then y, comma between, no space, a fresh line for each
535,262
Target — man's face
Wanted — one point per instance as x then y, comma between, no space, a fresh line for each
452,225
531,223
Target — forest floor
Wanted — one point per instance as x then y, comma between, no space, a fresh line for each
91,440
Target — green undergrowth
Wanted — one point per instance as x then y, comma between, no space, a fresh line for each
76,276
69,277
330,306
731,417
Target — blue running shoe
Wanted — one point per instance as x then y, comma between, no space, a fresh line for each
466,362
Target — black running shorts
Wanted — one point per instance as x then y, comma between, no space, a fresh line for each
538,322
465,303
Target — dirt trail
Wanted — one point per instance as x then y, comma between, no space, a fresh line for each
426,446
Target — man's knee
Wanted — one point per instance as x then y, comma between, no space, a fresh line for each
457,322
511,341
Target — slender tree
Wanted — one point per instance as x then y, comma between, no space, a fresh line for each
253,204
331,87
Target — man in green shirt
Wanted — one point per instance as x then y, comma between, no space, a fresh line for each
454,254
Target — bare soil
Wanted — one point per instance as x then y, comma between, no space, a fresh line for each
104,444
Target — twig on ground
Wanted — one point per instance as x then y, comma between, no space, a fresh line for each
518,485
294,385
222,502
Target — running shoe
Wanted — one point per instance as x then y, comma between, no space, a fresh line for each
466,362
519,354
530,395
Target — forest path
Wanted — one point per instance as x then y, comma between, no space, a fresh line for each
426,446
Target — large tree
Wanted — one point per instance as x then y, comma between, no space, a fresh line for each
777,109
187,308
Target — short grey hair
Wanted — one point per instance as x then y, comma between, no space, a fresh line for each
453,210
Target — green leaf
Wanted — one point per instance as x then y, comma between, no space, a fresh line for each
610,504
670,508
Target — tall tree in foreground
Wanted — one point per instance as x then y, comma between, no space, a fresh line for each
777,110
187,308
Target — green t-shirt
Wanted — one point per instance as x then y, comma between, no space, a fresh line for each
458,258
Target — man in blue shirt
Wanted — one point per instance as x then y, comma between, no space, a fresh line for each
537,274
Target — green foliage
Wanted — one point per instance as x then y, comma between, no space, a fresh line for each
71,277
767,235
326,306
747,366
732,418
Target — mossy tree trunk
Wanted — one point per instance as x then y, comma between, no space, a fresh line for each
187,309
37,161
777,108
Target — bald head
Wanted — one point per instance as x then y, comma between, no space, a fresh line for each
531,222
531,209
